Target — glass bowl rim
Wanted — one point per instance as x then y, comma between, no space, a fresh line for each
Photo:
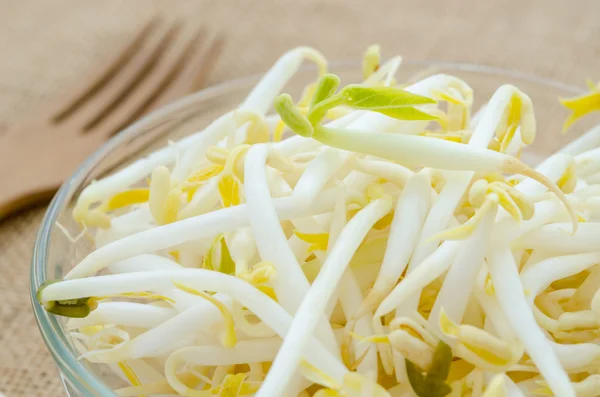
77,375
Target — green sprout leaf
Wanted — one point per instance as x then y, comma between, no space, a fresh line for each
415,378
324,98
436,388
442,358
392,102
284,105
326,87
74,308
433,384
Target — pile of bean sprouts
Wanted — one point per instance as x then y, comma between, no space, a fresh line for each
371,239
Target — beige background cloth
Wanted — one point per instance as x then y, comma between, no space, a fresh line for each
44,44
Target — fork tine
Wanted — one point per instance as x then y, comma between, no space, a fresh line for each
154,87
79,97
126,81
211,56
191,78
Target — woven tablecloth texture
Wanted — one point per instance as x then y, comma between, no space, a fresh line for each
44,44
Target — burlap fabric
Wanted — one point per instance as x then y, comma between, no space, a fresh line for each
46,43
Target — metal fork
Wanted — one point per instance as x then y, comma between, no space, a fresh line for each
159,65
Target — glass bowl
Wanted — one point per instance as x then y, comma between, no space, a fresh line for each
54,253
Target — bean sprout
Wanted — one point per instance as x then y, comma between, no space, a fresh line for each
287,252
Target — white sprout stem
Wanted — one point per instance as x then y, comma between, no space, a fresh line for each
419,150
382,122
350,295
385,73
299,248
350,298
587,162
125,225
593,179
290,284
581,184
511,297
215,132
204,200
429,84
458,182
590,139
399,367
392,67
196,228
146,262
438,218
392,172
539,276
311,225
544,212
242,247
558,238
440,215
191,252
477,116
269,311
494,116
593,205
168,335
428,270
518,281
247,329
512,390
366,120
135,172
314,302
142,263
384,350
271,120
411,210
458,284
260,99
247,351
576,355
127,314
516,145
587,192
318,173
330,161
145,371
338,219
495,317
298,144
357,182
